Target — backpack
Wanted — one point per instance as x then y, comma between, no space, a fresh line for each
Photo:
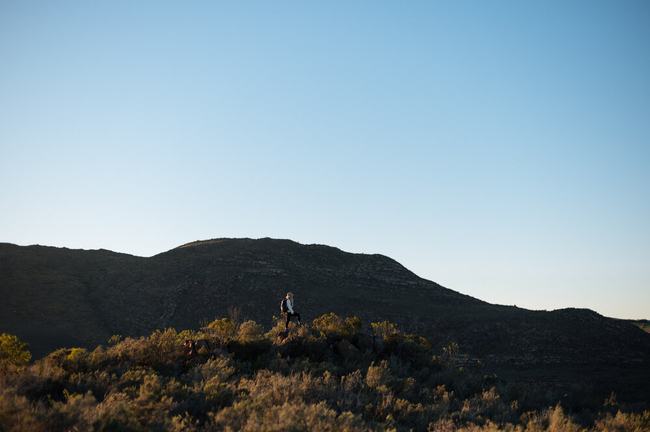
283,306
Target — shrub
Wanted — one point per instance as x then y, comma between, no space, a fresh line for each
354,324
385,329
332,326
13,351
250,331
624,422
378,376
329,323
115,339
74,413
162,350
488,405
552,419
252,416
221,331
451,353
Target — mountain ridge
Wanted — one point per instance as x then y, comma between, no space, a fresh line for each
53,297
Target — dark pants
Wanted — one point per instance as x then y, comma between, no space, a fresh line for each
289,315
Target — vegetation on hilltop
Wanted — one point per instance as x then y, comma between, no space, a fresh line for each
332,375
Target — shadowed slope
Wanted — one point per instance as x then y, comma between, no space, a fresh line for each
55,297
59,297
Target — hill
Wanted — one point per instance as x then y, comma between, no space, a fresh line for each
642,324
57,297
53,298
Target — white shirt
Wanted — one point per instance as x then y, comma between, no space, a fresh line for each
289,306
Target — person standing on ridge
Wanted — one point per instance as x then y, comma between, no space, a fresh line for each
287,307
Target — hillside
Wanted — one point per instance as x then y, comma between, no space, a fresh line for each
53,298
57,297
642,324
330,375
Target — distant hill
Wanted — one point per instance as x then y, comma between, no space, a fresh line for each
642,324
53,297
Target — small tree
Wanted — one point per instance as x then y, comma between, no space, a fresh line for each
221,330
13,351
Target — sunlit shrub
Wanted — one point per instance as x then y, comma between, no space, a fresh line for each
13,351
551,419
488,405
250,331
162,350
221,331
277,331
334,328
385,329
252,416
115,339
98,359
190,334
378,375
330,324
624,422
220,368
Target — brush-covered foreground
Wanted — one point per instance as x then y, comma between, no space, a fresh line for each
332,375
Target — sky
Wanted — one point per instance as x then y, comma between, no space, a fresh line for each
500,149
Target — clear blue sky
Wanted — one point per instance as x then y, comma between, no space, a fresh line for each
501,149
